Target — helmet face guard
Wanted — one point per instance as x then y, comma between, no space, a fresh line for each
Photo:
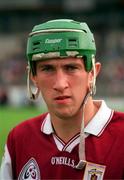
61,38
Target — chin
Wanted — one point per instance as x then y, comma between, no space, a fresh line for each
65,115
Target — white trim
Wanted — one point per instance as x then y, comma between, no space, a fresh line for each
68,147
6,167
55,30
46,126
60,144
102,117
72,143
106,123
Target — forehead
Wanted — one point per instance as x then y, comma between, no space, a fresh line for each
61,61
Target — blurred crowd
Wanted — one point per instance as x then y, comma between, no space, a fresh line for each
110,52
104,17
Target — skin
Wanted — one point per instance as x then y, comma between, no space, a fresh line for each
63,84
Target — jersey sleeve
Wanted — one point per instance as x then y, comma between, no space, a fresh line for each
6,166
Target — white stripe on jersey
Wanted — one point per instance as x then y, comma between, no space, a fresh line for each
6,167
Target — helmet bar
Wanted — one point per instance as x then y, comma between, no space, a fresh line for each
51,55
56,30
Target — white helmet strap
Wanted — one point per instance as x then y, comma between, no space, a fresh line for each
93,84
31,95
82,156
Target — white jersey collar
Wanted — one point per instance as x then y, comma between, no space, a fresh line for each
46,126
95,127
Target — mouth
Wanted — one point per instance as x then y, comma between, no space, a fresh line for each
62,97
63,100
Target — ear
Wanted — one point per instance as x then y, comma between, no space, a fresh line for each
92,78
97,69
33,79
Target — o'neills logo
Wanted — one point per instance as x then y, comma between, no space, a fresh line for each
63,161
53,41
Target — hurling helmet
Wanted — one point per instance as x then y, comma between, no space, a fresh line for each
61,38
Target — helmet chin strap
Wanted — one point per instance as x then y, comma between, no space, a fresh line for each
31,95
93,84
92,90
82,158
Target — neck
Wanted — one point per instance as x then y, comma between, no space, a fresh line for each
90,110
69,127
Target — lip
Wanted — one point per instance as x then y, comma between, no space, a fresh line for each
62,99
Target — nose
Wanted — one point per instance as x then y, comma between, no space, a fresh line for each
61,82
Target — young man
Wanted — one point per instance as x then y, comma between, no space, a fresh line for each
79,138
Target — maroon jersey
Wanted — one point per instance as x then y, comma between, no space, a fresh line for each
36,152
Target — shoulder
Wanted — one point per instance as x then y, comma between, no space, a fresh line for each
32,122
118,117
27,127
24,137
117,122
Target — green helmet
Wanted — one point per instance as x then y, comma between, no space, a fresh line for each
61,38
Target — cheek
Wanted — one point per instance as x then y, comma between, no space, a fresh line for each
41,81
82,83
90,77
45,86
81,88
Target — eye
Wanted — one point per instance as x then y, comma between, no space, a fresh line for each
46,68
71,68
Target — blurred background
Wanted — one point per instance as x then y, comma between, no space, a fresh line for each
104,17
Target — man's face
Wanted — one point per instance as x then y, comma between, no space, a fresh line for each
63,84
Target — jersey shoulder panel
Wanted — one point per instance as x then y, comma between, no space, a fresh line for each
29,125
117,123
118,117
24,132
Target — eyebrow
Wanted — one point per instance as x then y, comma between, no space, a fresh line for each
52,64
